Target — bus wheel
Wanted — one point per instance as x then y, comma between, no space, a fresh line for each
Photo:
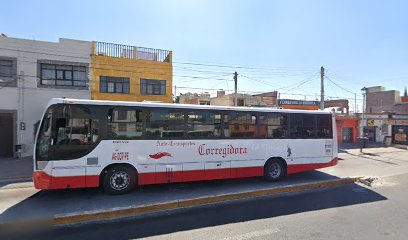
119,180
274,170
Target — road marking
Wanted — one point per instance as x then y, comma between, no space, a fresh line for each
254,234
19,185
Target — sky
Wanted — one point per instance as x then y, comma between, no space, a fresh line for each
273,45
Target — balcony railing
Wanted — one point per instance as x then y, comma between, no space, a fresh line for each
131,52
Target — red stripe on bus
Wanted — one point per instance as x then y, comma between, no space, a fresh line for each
199,175
45,181
296,168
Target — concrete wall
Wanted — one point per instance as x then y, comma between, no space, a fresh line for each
28,98
194,98
228,100
378,102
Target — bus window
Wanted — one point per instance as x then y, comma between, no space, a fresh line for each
164,123
324,126
295,125
309,126
44,137
125,123
240,125
203,124
76,130
302,126
273,125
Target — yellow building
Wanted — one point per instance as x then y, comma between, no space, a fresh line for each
129,73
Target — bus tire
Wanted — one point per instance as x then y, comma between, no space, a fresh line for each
275,170
119,180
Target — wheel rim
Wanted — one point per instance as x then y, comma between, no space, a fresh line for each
275,170
119,180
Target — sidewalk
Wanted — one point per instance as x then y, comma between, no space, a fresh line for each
372,162
16,168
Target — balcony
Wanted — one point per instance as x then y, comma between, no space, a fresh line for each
132,52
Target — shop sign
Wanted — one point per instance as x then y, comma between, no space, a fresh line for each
297,102
370,122
396,122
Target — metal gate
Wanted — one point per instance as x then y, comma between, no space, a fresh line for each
6,138
347,134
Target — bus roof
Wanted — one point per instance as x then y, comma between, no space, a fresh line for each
172,105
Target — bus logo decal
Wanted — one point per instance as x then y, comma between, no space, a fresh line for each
289,151
119,156
222,151
160,155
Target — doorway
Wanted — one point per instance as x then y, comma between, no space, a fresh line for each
7,134
347,134
370,133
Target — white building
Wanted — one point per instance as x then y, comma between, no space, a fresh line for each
32,72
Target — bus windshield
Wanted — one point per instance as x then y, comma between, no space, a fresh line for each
67,132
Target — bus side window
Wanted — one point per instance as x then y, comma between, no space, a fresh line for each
240,124
125,123
203,124
309,126
165,123
273,125
324,126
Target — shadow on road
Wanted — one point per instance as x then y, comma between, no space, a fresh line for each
63,201
224,213
46,204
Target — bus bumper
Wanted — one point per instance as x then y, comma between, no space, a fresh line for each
41,180
44,181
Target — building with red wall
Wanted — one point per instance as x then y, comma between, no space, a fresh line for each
347,129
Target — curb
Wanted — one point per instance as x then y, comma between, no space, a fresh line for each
11,180
115,213
15,178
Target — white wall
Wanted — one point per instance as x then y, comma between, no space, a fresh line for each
28,98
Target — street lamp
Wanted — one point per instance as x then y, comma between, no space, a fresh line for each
363,92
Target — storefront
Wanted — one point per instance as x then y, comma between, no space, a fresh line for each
399,134
399,129
376,127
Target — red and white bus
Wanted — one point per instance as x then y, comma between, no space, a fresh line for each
118,145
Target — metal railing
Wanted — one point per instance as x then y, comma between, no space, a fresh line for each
131,52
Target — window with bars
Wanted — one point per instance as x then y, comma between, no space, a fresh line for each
63,75
152,87
6,71
114,84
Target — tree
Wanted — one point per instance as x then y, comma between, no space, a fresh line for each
176,99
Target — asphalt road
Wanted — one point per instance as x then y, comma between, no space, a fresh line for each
345,212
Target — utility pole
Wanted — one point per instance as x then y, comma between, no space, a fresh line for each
236,87
322,88
355,103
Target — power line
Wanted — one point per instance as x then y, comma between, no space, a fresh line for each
246,68
301,83
226,66
144,72
339,85
184,63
